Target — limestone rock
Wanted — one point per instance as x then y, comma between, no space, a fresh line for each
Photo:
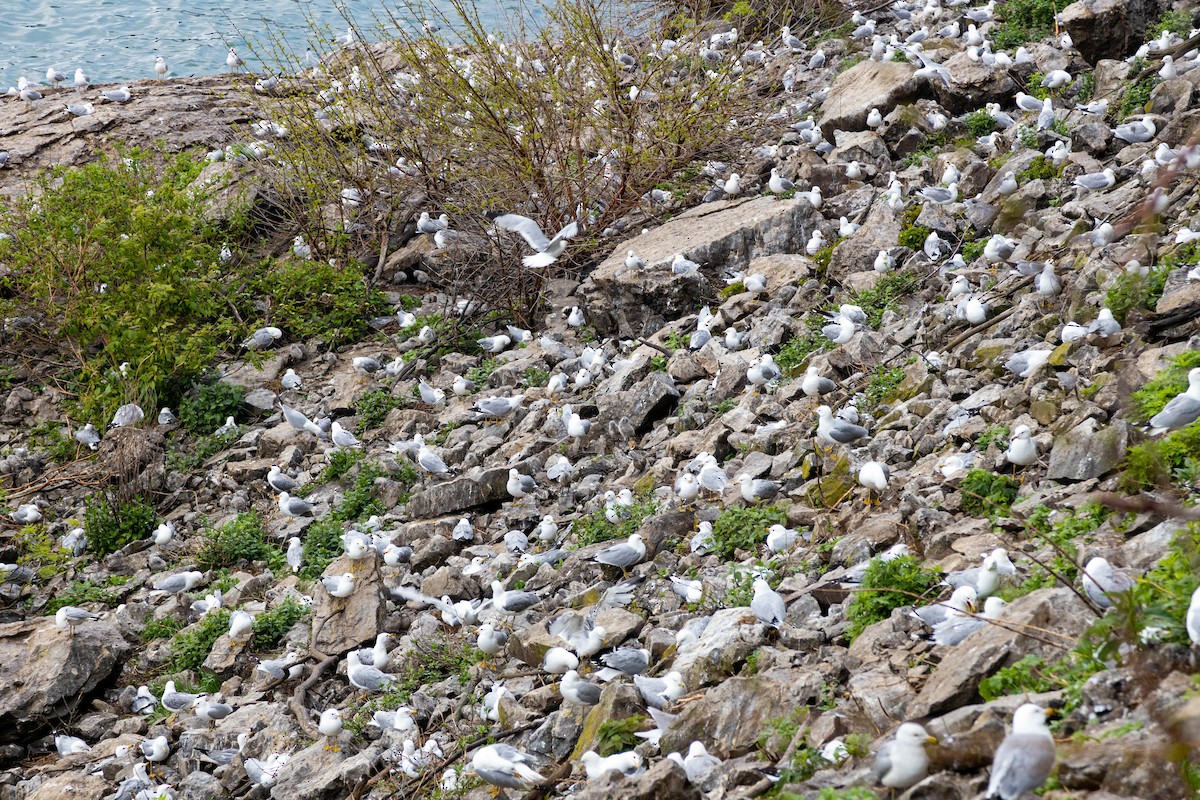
974,85
319,774
468,491
666,780
726,642
730,717
1088,451
1109,28
866,85
725,234
342,623
45,673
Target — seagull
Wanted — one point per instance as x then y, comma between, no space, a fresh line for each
294,507
1135,132
578,691
1101,579
511,601
596,766
233,60
778,184
1024,759
280,482
634,261
548,250
658,692
623,555
754,490
559,660
833,431
1096,180
342,437
1181,410
814,385
519,485
81,80
682,266
692,591
1022,449
121,95
903,762
173,700
1026,362
874,475
163,534
763,372
69,617
160,66
179,582
939,196
339,586
767,604
367,678
505,766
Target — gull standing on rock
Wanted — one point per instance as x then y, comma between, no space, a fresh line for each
1181,410
505,766
834,431
767,604
1022,449
623,555
294,507
755,490
903,762
1024,759
1101,579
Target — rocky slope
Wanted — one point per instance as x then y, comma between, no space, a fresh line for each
934,219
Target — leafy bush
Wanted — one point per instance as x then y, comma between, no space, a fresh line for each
595,527
192,645
739,582
1137,95
886,586
1159,462
162,628
1133,291
319,300
80,593
1023,21
1060,534
359,501
913,237
888,291
883,386
183,459
372,408
619,735
1159,390
744,528
797,350
986,494
979,123
1040,168
40,551
239,541
110,524
1177,21
322,544
1033,675
272,625
206,408
973,250
999,435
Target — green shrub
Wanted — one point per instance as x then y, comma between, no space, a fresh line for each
1040,168
359,502
162,628
318,300
59,445
849,793
986,494
40,551
535,377
595,527
322,544
888,291
999,435
979,123
744,528
1176,21
206,408
372,408
1069,525
973,250
619,735
80,593
1130,291
272,625
238,542
1159,390
192,645
1034,675
1023,21
886,586
338,463
796,351
913,237
110,524
1137,95
1169,459
182,459
882,387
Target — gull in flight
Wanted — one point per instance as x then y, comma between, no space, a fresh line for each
548,250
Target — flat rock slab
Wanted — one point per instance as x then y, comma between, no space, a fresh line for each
342,623
1088,451
45,673
717,236
869,84
468,491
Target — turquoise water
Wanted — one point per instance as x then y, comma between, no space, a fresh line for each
117,40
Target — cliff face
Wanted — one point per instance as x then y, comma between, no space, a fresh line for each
946,284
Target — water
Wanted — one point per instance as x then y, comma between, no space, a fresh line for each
117,40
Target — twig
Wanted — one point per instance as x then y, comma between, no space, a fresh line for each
654,346
1144,504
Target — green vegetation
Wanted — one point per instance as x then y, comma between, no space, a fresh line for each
1040,168
973,250
110,524
732,290
1154,610
433,660
206,408
1159,390
998,435
796,351
84,593
986,494
372,407
322,544
1137,95
595,527
848,62
272,625
1023,21
185,460
739,582
744,528
39,551
1061,535
1171,459
1130,290
913,237
319,300
323,538
886,586
238,542
822,258
1033,675
162,628
479,375
57,441
887,292
881,388
192,645
1176,21
979,123
849,793
338,463
535,377
1085,87
619,735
